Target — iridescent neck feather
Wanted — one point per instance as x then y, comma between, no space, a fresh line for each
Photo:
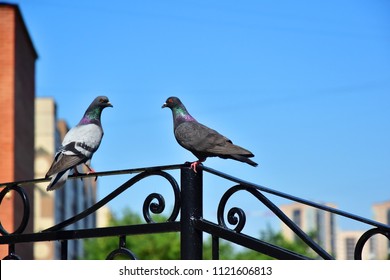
181,114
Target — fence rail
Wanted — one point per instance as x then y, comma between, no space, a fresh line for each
186,217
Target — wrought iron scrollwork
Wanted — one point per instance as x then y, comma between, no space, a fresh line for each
365,237
154,207
26,208
159,206
191,221
12,257
122,250
236,216
11,253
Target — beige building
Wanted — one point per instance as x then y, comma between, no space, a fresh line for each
382,215
346,243
103,217
45,144
311,220
339,243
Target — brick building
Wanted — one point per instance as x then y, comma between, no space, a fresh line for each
17,93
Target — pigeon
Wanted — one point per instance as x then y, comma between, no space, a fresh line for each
79,144
201,140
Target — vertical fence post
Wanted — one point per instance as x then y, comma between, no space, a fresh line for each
215,247
191,209
64,249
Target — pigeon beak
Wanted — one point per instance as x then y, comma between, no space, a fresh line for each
164,105
108,104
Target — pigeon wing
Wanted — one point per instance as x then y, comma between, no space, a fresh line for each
199,138
191,136
64,160
78,146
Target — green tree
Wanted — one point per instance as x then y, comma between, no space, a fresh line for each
278,239
166,246
162,246
226,249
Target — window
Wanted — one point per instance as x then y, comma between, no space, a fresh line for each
350,248
297,219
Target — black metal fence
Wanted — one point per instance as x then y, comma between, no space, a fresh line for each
186,217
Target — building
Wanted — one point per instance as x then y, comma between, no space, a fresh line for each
314,221
103,217
346,243
382,214
17,93
29,136
45,143
56,206
341,245
377,247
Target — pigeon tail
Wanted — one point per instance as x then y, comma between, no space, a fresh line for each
244,159
58,180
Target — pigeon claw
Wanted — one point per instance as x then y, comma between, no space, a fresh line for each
77,173
91,170
194,165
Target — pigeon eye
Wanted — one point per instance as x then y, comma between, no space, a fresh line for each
101,100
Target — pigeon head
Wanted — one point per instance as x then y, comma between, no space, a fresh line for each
179,111
94,110
172,102
100,102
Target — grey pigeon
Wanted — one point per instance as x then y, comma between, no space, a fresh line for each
202,141
79,144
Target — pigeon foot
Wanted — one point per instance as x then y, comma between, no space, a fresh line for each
76,172
194,165
91,170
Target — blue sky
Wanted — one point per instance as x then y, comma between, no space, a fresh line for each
304,85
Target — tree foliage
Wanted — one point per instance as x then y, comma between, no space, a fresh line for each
278,239
166,246
162,246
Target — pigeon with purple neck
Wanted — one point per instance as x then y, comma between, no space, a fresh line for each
79,144
201,140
